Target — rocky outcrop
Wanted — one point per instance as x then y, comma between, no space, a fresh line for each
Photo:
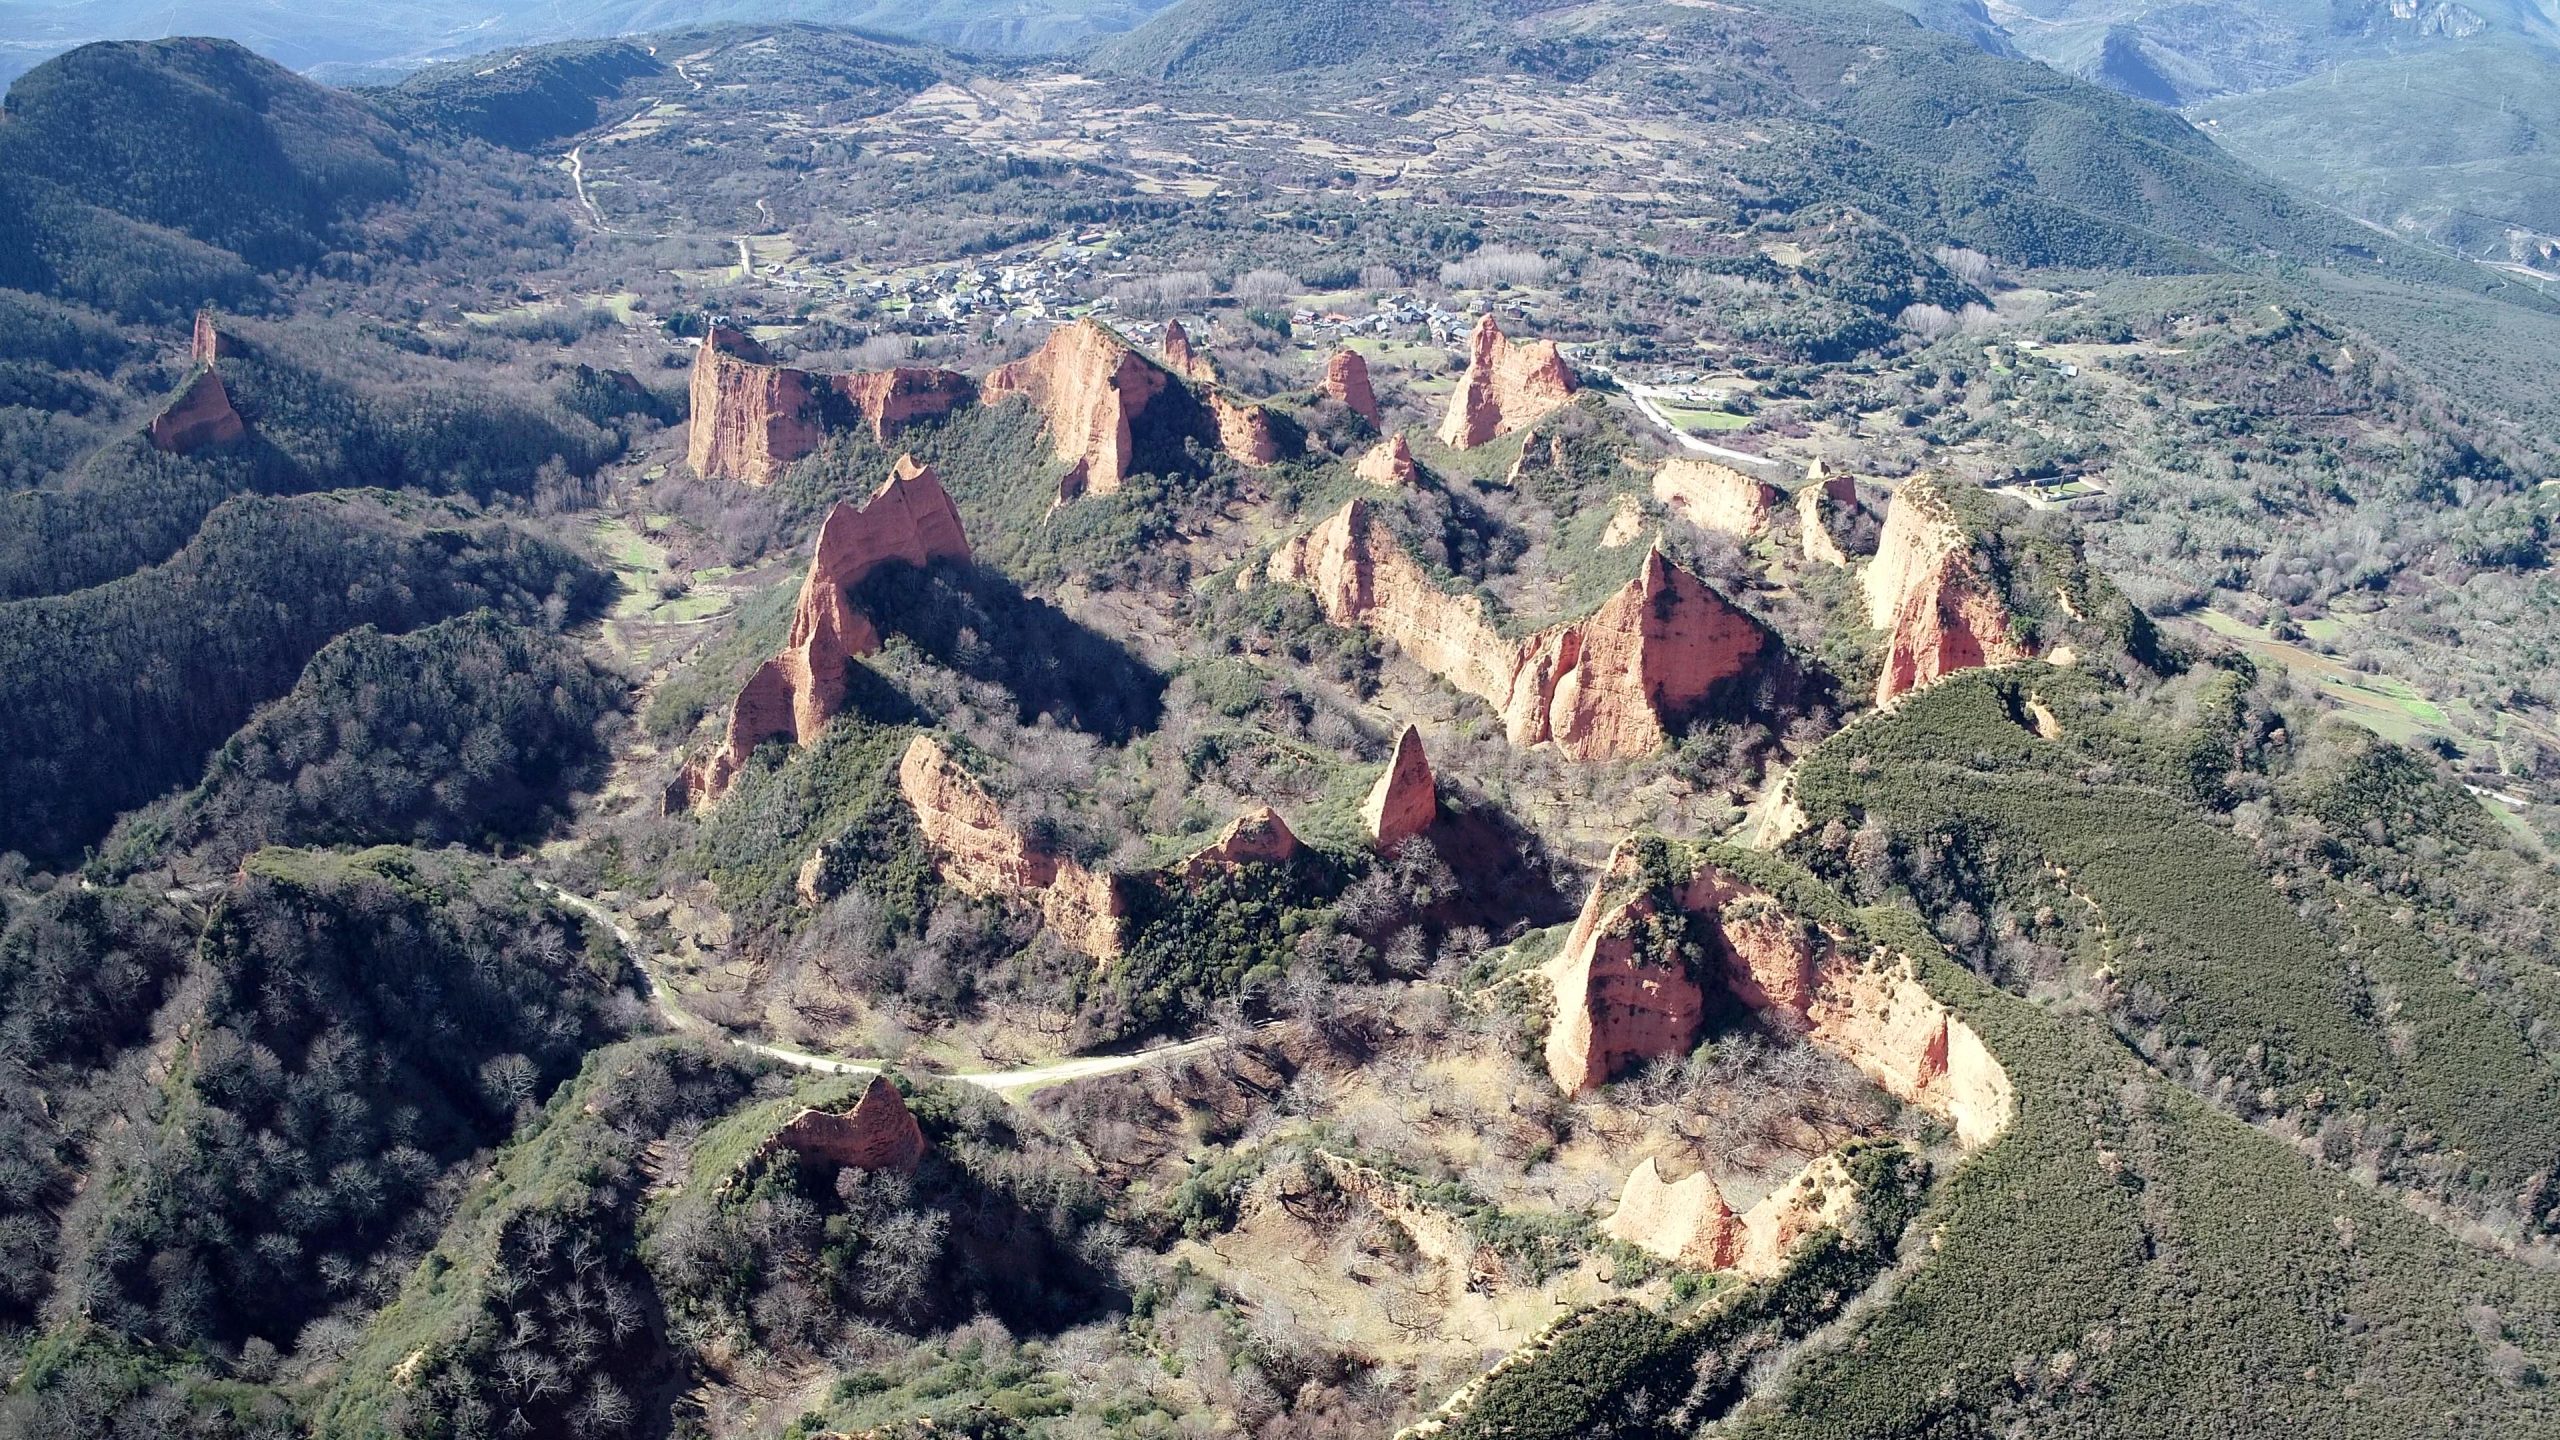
1603,688
1818,1197
1687,1223
1185,362
1507,385
1715,497
1257,837
978,853
1599,688
1926,591
1389,465
208,344
890,400
1346,379
1621,999
1245,431
1406,799
878,1133
1818,515
1618,999
1540,456
751,417
200,417
909,518
1090,388
1362,577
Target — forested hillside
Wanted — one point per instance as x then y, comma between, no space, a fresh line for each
116,693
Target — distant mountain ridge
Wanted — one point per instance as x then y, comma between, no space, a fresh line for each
345,42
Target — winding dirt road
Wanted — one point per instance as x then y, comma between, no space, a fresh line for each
1020,1080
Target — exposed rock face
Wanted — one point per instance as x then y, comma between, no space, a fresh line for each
1244,431
1257,837
1626,523
1090,388
878,1133
793,695
1616,1004
1506,386
1817,511
1389,465
1817,1198
1538,455
1687,1223
751,417
1616,1001
890,400
201,416
1362,577
1346,379
1651,653
1182,360
1926,591
208,344
979,853
1715,497
1406,798
1600,688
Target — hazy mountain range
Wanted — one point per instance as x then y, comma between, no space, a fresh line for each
340,41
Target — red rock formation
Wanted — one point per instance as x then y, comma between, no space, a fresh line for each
1389,465
1406,798
1616,1005
208,344
1601,687
1715,497
1506,386
795,693
201,416
1257,837
751,417
1346,379
1927,592
1185,362
1687,1223
890,400
1617,1002
878,1133
1090,388
1244,431
979,853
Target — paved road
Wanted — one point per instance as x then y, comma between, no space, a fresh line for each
1022,1078
1744,459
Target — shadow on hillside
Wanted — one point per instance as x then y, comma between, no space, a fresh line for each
982,625
1505,878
